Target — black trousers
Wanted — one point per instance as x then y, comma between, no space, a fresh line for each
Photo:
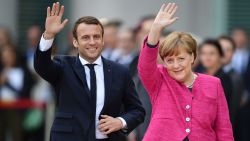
102,139
186,139
11,121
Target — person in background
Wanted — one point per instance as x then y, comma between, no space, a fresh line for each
126,45
141,32
241,56
241,64
5,37
33,35
40,92
228,47
15,84
185,105
111,29
211,54
71,50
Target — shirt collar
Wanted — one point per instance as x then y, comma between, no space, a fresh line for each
98,61
228,67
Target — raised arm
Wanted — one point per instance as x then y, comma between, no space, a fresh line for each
54,24
45,67
147,67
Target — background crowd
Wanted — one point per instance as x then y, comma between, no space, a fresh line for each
226,56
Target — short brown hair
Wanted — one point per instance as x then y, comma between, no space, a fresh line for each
229,39
86,20
176,40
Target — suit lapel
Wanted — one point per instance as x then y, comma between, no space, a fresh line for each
80,72
107,83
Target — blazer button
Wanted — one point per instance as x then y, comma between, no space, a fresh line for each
187,119
187,130
187,107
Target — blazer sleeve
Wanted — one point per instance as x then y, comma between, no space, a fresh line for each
148,71
223,127
134,112
48,69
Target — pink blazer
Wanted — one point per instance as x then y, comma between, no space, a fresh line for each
202,114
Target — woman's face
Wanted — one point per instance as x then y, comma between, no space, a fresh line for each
180,66
228,51
209,56
8,57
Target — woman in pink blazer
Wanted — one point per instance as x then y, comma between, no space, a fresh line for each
186,106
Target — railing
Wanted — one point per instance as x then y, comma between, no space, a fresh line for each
21,104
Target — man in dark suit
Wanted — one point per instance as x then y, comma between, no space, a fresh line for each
91,90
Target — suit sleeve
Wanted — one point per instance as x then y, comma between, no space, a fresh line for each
223,127
134,112
148,71
48,69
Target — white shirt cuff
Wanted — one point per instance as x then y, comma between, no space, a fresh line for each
124,124
45,44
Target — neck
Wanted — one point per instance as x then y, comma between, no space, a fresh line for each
90,60
213,70
189,79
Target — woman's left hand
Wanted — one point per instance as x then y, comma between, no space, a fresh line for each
164,18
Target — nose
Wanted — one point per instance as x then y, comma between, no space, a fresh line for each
92,41
176,64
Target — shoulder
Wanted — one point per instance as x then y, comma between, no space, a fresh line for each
208,79
209,85
116,67
64,58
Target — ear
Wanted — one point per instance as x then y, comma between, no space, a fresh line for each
164,60
75,43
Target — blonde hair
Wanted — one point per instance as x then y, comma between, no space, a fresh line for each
176,40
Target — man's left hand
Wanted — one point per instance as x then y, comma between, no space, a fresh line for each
109,124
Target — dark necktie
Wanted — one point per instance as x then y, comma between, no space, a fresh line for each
92,83
93,97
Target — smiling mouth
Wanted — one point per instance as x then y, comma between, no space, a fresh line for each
178,71
92,49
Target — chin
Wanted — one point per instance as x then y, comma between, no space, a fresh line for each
93,55
178,78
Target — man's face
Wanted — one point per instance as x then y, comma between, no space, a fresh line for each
110,36
89,41
126,41
33,36
240,38
146,25
228,51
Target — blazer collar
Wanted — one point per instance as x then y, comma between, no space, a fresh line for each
107,71
80,72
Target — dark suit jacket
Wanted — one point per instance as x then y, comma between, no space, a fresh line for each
246,77
226,84
238,90
74,119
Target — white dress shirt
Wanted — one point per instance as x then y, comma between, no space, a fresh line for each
15,77
100,94
240,60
